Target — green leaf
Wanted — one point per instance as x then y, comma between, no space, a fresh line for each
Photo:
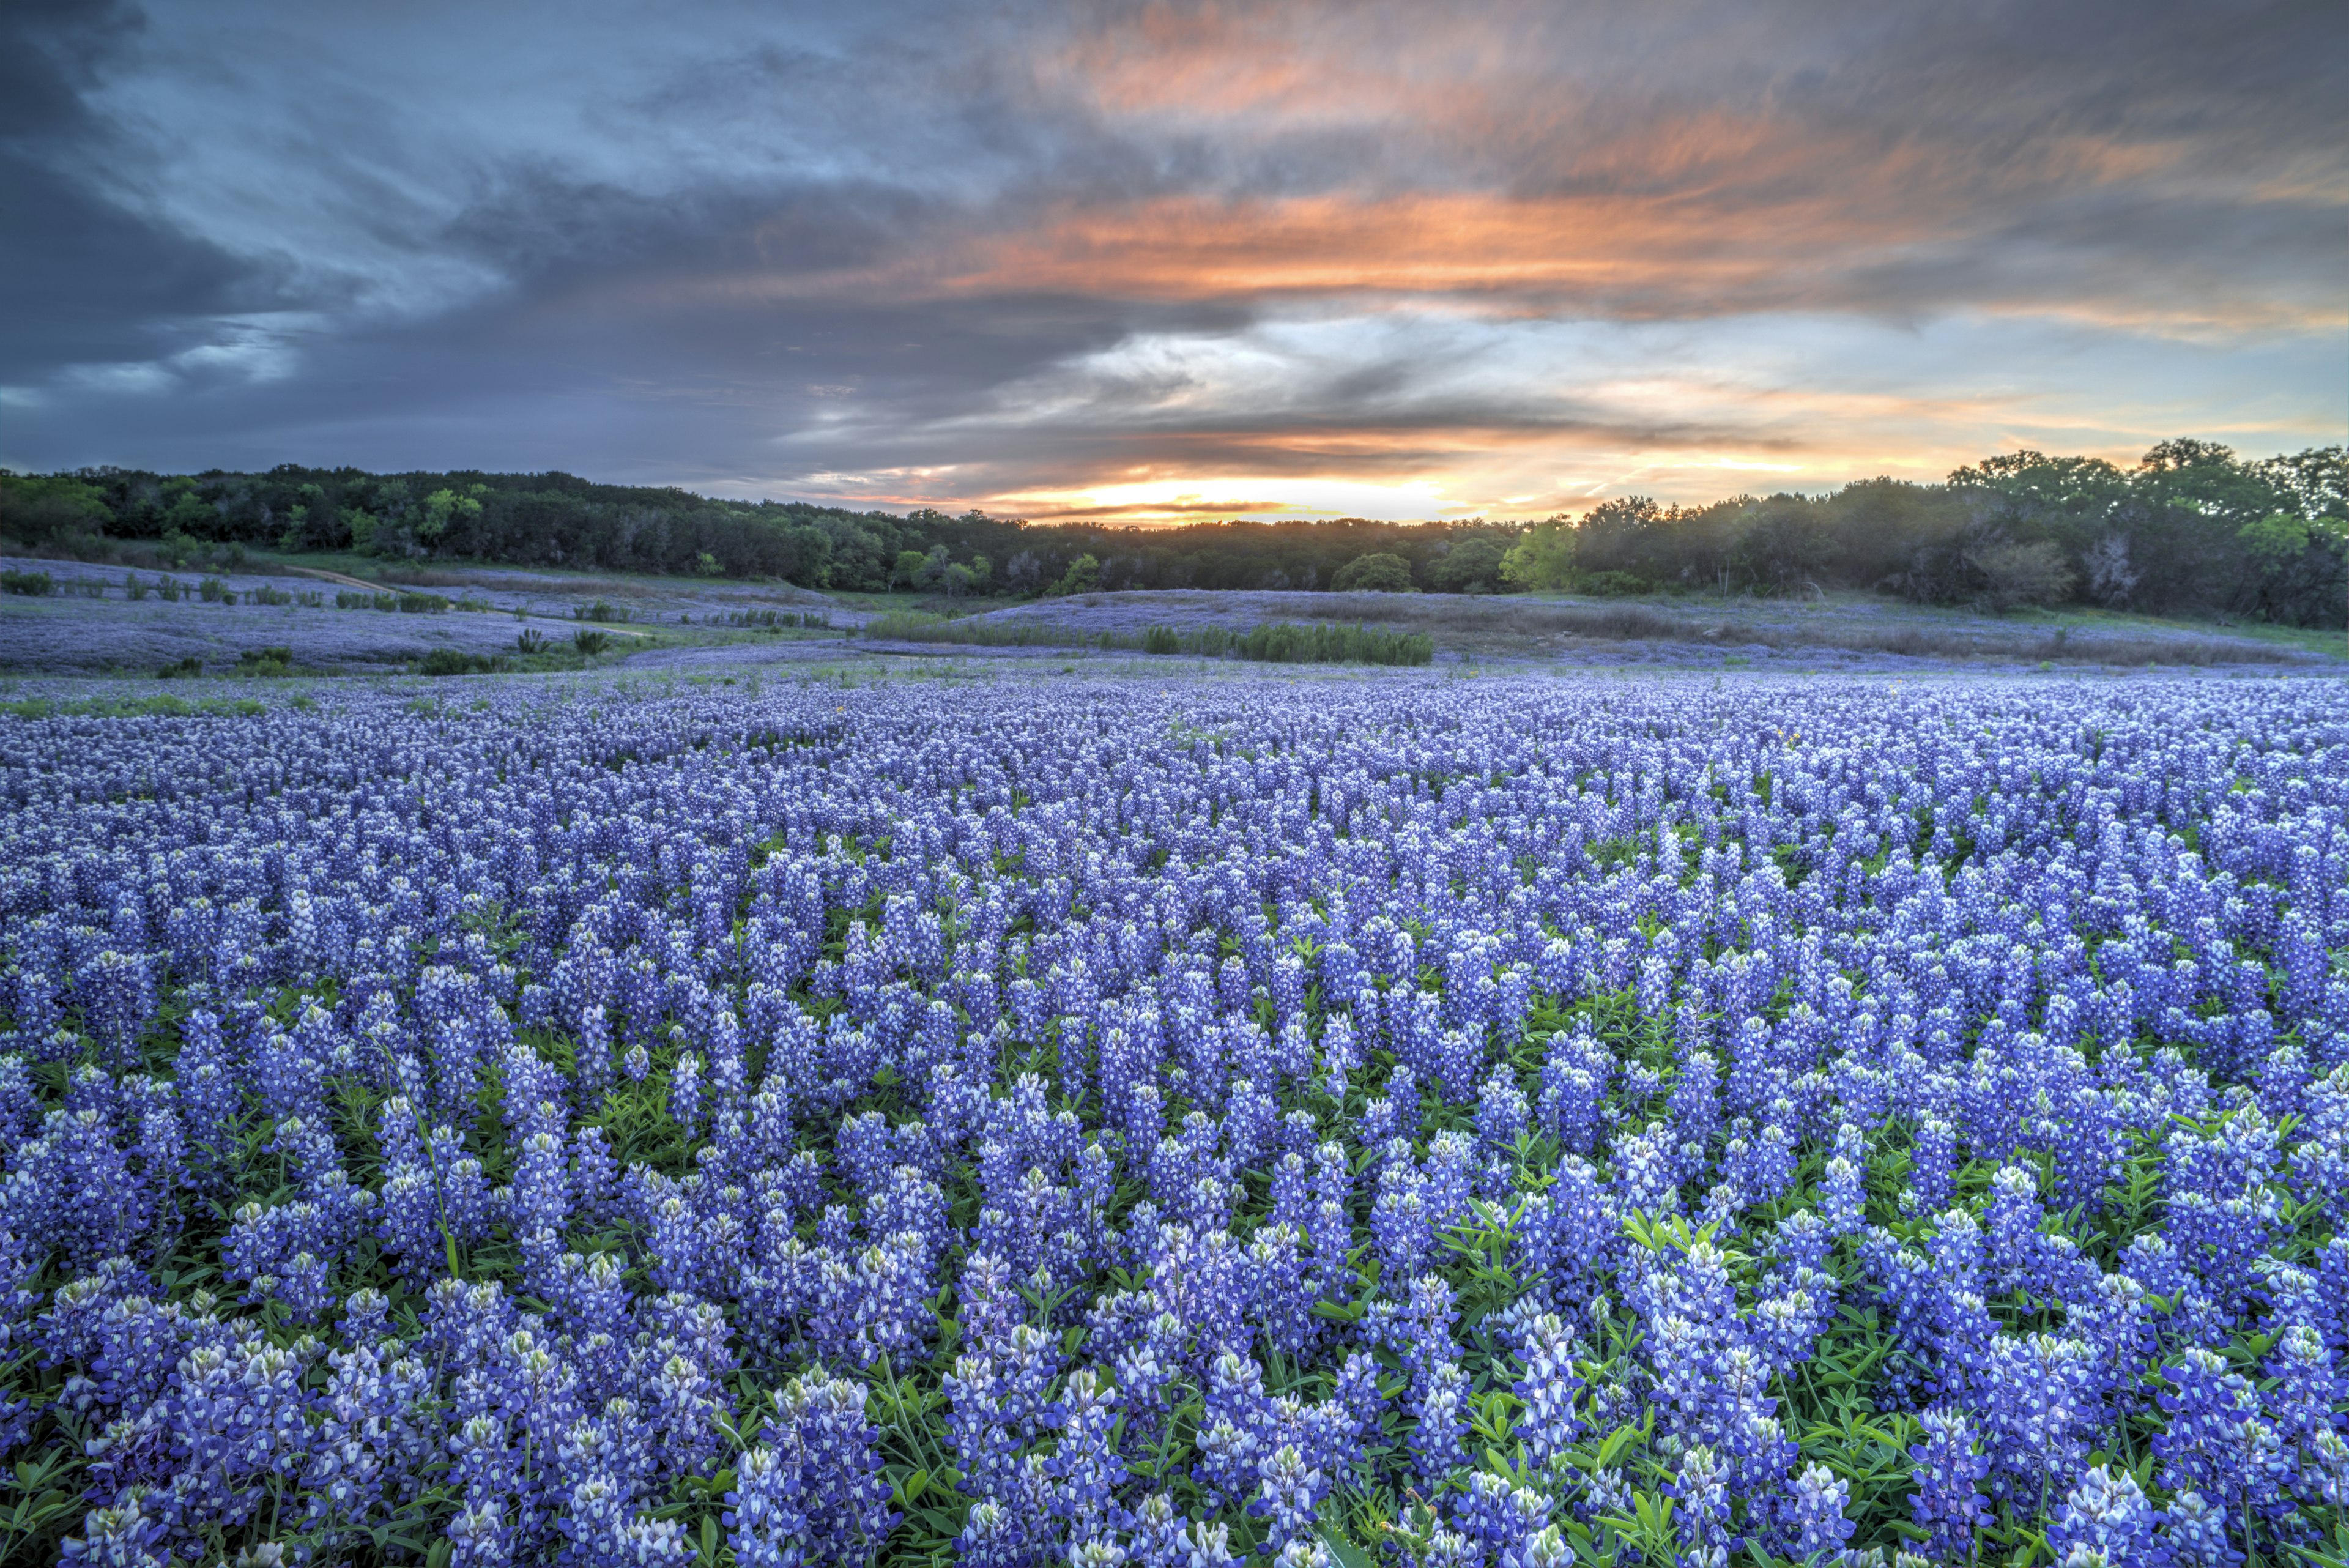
1348,1554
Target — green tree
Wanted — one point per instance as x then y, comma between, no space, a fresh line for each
1082,576
1379,572
908,569
1543,557
189,512
442,507
2277,537
1470,566
39,508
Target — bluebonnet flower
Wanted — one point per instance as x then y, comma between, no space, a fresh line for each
1438,1407
1547,1389
1086,1465
2034,1392
992,1537
604,1532
2194,1531
1811,1523
122,1536
1498,1518
810,1491
2107,1511
2219,1442
1701,1490
1949,1468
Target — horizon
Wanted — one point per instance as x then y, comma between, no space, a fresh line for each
1163,265
1817,493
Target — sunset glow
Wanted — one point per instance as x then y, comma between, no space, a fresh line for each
1164,261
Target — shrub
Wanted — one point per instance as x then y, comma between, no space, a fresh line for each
776,618
590,643
456,661
1376,573
1283,642
530,641
32,585
1615,585
2013,574
265,661
599,612
191,665
422,604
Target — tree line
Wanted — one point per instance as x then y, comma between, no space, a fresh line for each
2191,528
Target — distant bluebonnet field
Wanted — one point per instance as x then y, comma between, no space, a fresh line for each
1474,1124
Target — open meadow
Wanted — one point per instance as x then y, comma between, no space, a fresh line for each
89,620
1083,1112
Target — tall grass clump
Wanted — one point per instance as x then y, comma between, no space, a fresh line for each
1282,643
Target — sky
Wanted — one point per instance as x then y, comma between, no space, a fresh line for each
1165,261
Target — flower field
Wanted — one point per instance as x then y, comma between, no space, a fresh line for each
1462,1124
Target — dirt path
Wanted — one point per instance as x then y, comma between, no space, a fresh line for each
334,577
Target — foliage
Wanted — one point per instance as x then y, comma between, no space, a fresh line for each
1542,559
1082,576
1472,566
456,661
2190,528
1378,572
1278,643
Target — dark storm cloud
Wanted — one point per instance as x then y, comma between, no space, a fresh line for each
85,280
916,253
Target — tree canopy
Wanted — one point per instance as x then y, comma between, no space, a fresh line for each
2190,528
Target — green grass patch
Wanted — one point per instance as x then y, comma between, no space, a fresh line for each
1281,642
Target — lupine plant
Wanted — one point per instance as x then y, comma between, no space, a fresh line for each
1414,1122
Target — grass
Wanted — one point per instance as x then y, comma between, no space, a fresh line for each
469,573
406,604
771,619
161,707
1282,643
1642,621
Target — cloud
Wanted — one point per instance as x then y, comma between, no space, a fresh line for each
1109,258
